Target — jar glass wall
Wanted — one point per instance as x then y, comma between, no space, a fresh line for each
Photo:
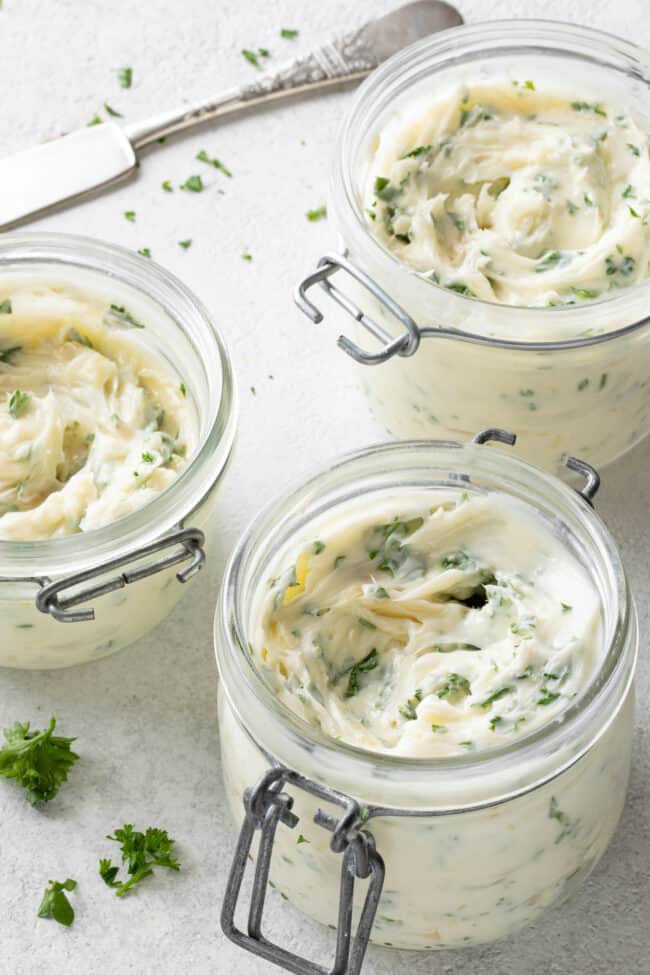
569,379
474,846
180,332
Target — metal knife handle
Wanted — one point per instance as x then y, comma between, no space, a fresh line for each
346,59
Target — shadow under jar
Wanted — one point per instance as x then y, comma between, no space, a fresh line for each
573,378
474,845
73,599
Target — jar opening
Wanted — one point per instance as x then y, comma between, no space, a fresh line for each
617,64
187,335
419,464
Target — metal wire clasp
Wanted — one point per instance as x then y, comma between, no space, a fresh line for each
405,344
188,543
266,805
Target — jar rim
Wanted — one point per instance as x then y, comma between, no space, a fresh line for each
38,558
414,62
254,700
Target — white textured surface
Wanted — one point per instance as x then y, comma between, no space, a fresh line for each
146,719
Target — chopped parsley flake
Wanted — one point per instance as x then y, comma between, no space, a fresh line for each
167,186
112,111
185,244
125,77
18,403
202,156
320,213
194,184
130,215
5,307
364,666
288,33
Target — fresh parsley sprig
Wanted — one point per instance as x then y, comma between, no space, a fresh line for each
141,852
37,760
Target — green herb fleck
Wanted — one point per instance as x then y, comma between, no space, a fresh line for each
194,184
18,403
301,839
497,719
320,213
547,697
364,666
625,266
118,314
288,33
318,547
55,903
202,156
112,111
548,260
125,77
185,243
454,687
409,710
414,153
583,384
530,85
167,186
489,701
183,389
633,149
246,256
130,215
6,354
95,120
457,221
144,252
603,380
566,607
5,307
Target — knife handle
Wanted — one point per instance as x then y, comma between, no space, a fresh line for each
347,58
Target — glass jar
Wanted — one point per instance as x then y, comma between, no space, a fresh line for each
67,600
567,378
473,846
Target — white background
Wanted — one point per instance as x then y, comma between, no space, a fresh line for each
146,719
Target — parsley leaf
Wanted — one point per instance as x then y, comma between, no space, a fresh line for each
141,852
5,307
119,315
18,403
144,252
112,111
125,77
130,215
368,663
193,183
202,156
318,214
167,186
252,57
38,760
6,354
185,243
55,904
288,33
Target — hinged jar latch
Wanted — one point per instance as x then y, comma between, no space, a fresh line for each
180,544
405,344
266,805
590,474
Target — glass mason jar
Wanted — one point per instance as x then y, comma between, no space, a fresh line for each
473,846
567,378
67,600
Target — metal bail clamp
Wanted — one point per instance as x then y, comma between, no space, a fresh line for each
266,806
405,344
188,543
